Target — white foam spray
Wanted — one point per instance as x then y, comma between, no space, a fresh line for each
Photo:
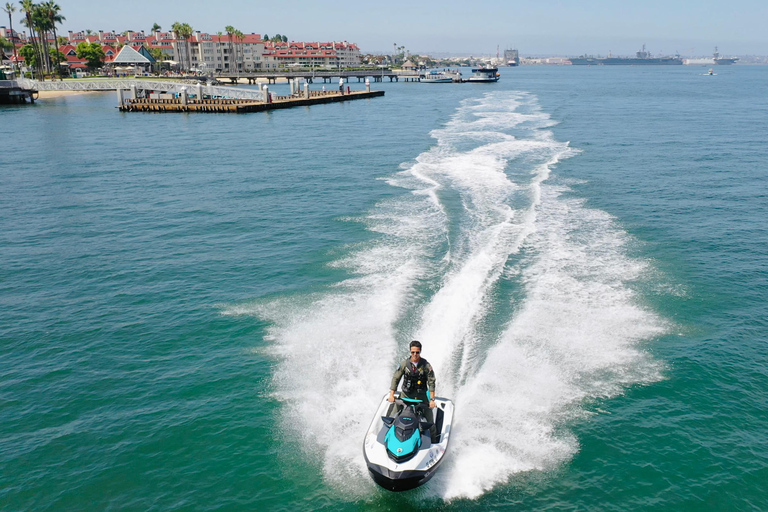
479,209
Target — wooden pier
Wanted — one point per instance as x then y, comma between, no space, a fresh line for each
221,105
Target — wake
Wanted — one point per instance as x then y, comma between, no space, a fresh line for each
519,293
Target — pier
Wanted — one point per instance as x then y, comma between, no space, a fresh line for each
376,75
226,105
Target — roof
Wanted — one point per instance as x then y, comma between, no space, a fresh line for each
130,56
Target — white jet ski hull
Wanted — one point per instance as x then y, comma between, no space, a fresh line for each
422,466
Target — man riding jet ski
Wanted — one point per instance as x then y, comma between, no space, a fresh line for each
406,442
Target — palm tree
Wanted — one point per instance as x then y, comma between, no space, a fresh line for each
28,8
230,32
186,33
183,31
10,9
156,27
52,10
240,36
43,25
176,29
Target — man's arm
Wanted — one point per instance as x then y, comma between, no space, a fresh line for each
395,381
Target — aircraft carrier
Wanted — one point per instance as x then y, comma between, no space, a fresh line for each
642,58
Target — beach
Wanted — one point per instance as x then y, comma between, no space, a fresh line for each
46,95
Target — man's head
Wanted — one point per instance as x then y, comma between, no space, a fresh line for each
415,351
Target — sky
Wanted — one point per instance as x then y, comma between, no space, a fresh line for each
535,27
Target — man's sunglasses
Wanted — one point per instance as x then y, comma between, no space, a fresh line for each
415,351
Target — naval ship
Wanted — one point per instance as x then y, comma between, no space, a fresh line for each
723,61
642,58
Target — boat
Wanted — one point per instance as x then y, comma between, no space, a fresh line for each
436,77
711,72
723,61
14,90
642,58
512,57
399,450
484,74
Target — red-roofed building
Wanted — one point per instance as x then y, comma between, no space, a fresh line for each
224,53
297,54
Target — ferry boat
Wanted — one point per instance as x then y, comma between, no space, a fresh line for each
435,77
484,74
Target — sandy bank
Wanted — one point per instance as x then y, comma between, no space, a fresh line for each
43,95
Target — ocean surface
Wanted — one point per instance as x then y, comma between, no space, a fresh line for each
201,312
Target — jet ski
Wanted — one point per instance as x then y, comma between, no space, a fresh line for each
398,448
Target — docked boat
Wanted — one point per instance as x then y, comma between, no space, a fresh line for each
436,77
484,74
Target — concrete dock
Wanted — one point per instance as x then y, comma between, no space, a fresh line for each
221,105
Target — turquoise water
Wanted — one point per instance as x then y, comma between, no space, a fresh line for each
200,312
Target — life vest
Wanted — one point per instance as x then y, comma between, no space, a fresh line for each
415,377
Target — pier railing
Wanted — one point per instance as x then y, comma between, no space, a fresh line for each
145,85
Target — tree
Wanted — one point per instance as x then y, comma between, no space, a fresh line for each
57,58
230,32
29,54
93,53
184,31
240,36
10,9
156,53
155,28
5,46
52,12
266,38
28,8
285,38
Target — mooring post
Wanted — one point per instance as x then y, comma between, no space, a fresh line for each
133,92
199,92
120,100
183,95
267,98
367,85
306,89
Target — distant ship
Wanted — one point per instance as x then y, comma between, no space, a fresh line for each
643,58
512,57
723,61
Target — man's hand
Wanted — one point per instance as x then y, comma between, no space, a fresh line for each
432,404
391,396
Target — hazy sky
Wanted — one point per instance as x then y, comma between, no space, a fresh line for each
469,27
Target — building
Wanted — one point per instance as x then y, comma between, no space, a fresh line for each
220,53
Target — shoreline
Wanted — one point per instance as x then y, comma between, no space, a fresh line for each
44,95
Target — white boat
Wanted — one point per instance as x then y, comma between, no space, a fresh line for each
436,77
484,74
